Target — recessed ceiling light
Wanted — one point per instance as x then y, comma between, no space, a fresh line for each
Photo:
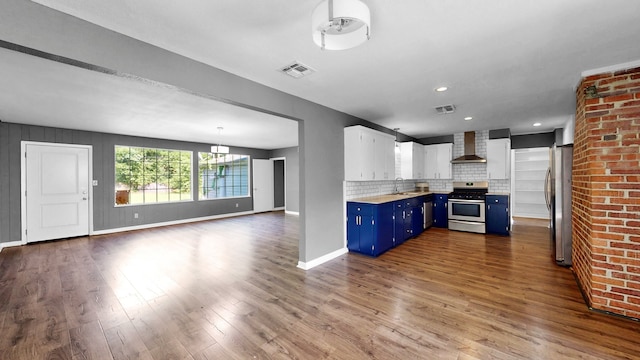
441,88
468,118
537,124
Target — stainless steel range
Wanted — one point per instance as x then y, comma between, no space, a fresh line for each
467,206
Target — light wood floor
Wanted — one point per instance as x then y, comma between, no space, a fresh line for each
230,289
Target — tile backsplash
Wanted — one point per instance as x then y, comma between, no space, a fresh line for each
461,172
360,189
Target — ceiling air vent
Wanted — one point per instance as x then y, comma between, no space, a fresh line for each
297,70
445,109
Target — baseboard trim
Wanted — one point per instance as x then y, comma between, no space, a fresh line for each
168,223
10,244
292,213
322,259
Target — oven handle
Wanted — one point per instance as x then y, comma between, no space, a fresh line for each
466,201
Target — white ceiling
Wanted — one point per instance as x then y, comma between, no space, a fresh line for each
38,91
506,63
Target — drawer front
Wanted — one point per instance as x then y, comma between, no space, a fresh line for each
441,197
360,209
497,199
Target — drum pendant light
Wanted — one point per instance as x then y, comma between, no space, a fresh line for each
340,24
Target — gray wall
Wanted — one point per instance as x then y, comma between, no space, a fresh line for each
292,176
320,128
105,214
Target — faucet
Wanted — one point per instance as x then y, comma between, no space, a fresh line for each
395,191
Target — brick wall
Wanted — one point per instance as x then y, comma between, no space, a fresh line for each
606,191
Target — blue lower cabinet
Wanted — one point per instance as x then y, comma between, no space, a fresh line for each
440,211
369,228
409,219
497,218
399,216
417,216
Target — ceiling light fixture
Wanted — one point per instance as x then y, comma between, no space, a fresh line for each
219,149
537,124
468,118
340,24
441,89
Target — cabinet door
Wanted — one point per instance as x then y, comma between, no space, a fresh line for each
418,161
352,154
430,162
367,235
444,156
386,157
417,220
406,160
384,228
359,153
368,155
498,158
440,211
410,216
497,214
353,231
398,223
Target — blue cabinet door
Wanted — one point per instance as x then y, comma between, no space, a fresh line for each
398,223
497,217
359,219
440,211
408,220
417,221
383,218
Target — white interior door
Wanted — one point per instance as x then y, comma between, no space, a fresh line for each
262,185
56,197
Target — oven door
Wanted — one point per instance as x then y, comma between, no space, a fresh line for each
466,210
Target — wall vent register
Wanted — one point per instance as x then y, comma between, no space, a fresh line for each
297,70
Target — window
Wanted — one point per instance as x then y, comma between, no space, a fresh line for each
222,175
146,175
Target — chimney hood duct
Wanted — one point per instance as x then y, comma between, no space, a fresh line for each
469,150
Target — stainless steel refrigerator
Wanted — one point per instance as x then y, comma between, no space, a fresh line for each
558,198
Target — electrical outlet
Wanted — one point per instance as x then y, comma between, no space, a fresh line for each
135,215
94,183
236,204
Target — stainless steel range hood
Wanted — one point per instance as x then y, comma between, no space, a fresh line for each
469,150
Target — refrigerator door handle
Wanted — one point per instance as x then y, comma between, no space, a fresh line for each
547,189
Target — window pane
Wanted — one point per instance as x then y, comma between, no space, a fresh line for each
222,175
147,175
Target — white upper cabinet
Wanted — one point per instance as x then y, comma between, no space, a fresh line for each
368,154
412,160
437,161
498,158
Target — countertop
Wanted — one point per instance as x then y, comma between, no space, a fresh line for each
381,199
498,193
